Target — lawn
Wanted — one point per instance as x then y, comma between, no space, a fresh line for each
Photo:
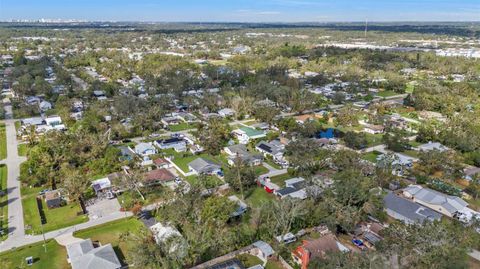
22,149
181,127
55,257
112,233
260,170
387,93
374,139
209,181
410,87
249,260
3,202
257,196
280,180
3,142
18,124
272,163
271,264
183,159
57,218
371,156
411,153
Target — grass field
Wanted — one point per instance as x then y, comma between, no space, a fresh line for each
280,180
374,139
3,142
387,93
22,149
55,257
3,203
181,127
256,196
112,233
249,260
56,218
371,156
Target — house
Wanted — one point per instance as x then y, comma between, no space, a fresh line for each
126,154
163,234
178,144
203,166
158,176
407,211
45,105
35,121
369,232
400,162
448,205
54,199
373,129
245,134
226,112
101,185
274,149
239,151
54,123
84,255
471,172
263,250
316,248
241,206
301,119
432,146
172,120
294,188
161,163
145,149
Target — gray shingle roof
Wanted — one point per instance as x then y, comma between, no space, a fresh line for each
449,202
408,209
84,256
202,165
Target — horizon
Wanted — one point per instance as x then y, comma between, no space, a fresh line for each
243,11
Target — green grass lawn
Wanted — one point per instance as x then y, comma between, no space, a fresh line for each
55,257
280,180
18,124
272,163
3,142
387,93
374,139
256,196
181,127
3,203
249,260
411,153
22,149
371,156
260,170
410,87
112,233
271,264
56,218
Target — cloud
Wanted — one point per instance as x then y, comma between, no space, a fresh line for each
246,12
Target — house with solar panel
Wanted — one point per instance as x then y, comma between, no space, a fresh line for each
274,149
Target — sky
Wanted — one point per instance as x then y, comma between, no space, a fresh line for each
243,10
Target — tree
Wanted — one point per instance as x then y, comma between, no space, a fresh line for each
75,182
396,140
214,135
445,165
265,113
355,140
474,187
240,177
347,116
305,155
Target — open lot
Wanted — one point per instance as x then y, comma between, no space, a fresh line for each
3,142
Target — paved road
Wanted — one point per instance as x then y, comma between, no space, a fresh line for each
30,239
273,171
13,161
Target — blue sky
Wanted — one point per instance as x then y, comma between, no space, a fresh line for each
244,10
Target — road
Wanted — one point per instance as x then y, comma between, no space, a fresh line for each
273,171
15,216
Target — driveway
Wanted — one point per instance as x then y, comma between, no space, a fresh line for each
102,208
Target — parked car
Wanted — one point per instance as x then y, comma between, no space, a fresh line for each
359,243
110,195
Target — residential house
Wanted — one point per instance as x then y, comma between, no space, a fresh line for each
448,205
240,152
302,119
145,149
172,120
400,162
161,163
246,134
84,255
54,199
241,206
294,188
158,176
263,250
203,166
178,144
316,249
432,146
373,129
274,149
101,185
226,112
126,154
45,106
407,211
471,172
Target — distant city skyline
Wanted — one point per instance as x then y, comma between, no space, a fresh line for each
242,10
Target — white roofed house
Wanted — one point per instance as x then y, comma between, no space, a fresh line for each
448,205
145,150
240,151
45,106
432,146
203,166
84,255
226,112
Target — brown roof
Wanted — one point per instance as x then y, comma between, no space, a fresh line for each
160,161
159,175
376,227
52,195
322,245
